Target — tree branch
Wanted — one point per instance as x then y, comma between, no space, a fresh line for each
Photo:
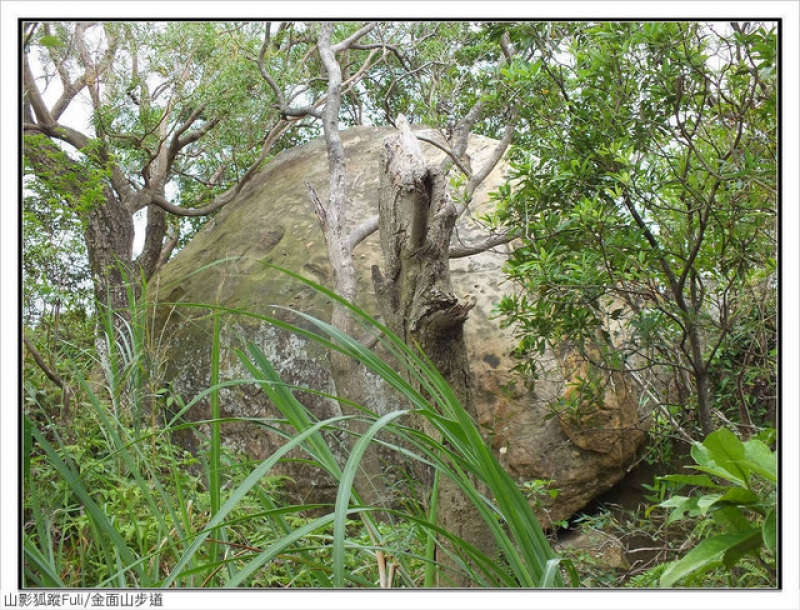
478,177
449,152
345,44
166,251
51,374
177,210
33,96
283,107
364,230
487,243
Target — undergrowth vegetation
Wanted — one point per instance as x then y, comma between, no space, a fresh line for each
110,501
715,525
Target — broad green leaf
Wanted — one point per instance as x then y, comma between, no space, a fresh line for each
761,460
723,473
731,519
737,495
740,549
725,448
770,531
699,480
719,454
681,506
707,554
707,501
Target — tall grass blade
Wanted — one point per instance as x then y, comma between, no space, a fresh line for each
430,539
48,571
214,483
344,492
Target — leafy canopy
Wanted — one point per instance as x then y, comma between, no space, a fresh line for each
644,186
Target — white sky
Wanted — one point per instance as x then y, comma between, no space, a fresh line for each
10,11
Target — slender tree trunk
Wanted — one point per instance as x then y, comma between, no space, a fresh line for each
704,403
348,375
688,313
416,223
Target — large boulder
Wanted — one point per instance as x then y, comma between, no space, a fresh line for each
273,220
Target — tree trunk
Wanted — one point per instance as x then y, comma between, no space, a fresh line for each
416,223
704,402
109,240
348,375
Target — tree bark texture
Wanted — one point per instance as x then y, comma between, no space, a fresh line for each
417,218
109,241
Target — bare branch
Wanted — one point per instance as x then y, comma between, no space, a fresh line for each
464,128
196,134
489,242
362,231
51,374
265,73
273,136
509,51
59,62
30,30
385,46
177,210
467,171
319,207
345,44
350,82
181,139
90,74
33,96
166,251
59,132
476,179
193,116
148,196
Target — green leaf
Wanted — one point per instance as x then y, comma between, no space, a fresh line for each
344,494
707,554
738,495
770,531
551,574
720,454
100,520
239,492
35,557
50,42
698,480
731,519
760,459
751,543
681,505
705,502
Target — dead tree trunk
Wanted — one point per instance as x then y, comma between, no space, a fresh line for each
417,218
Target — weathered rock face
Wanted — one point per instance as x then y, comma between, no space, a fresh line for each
273,221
